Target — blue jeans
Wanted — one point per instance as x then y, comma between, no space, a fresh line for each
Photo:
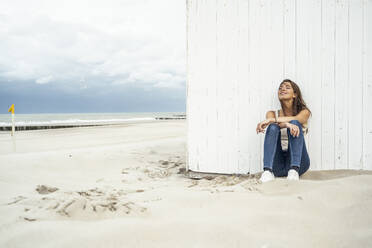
280,161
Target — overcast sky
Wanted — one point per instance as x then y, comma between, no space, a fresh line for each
92,55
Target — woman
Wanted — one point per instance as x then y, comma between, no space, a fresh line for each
285,152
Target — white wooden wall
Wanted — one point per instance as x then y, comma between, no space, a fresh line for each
238,52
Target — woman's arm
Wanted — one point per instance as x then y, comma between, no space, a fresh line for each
302,117
270,118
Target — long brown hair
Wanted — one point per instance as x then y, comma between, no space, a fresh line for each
298,103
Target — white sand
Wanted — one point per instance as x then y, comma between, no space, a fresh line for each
120,186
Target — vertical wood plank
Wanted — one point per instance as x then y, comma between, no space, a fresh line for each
341,84
314,96
289,44
273,67
367,85
199,89
187,83
191,156
266,89
302,45
355,85
207,102
247,139
226,86
303,19
328,84
255,81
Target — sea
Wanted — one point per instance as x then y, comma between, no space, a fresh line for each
82,118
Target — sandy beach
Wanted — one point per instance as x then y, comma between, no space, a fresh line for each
126,186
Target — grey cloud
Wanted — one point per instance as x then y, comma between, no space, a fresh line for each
48,46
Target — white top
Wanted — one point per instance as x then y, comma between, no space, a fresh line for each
284,135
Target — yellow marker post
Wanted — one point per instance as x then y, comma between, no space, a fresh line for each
11,109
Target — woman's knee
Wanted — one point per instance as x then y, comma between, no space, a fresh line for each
273,127
295,122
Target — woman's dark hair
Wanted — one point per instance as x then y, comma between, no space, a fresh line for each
298,103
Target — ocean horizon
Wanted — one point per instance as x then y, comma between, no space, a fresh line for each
81,118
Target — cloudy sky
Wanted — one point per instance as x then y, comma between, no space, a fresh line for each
92,55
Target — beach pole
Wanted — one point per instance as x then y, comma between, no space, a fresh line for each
13,125
11,109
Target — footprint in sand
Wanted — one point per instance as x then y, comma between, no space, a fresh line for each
43,189
164,168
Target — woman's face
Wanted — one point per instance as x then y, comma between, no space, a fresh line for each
285,91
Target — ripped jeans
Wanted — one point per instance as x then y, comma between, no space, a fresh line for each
280,161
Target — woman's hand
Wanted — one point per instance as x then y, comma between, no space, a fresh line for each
294,130
263,124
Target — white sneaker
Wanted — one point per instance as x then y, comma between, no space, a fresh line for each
293,175
267,176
